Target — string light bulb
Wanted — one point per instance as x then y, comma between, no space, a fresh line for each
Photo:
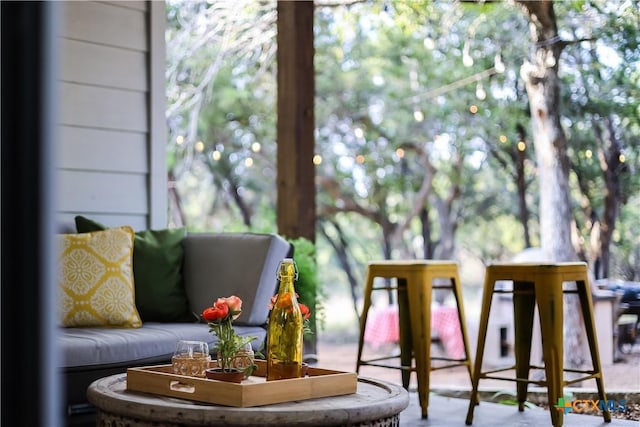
480,92
429,43
467,60
498,64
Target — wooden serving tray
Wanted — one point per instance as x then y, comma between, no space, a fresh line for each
254,391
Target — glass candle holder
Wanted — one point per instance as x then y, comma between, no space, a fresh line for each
191,358
244,359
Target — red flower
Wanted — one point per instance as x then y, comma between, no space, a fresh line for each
304,309
218,312
306,313
220,317
273,301
235,305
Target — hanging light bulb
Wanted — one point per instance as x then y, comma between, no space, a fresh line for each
498,64
480,93
467,60
550,61
429,43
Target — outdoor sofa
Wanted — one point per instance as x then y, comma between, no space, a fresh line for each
197,268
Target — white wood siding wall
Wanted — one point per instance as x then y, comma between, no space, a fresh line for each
111,157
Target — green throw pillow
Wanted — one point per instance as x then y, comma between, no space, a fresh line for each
157,272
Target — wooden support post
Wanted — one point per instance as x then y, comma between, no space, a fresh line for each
296,208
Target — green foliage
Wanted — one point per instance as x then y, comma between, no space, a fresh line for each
626,242
229,344
221,99
511,399
389,100
506,240
307,286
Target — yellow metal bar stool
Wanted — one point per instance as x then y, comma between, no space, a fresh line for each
539,285
415,283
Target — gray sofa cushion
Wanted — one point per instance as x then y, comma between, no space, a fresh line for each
242,264
153,342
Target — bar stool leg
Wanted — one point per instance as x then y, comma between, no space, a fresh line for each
549,297
368,288
590,327
523,309
487,296
457,292
406,341
420,311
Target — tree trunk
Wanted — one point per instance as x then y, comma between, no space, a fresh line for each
521,185
543,88
446,246
609,156
518,156
339,245
426,234
176,214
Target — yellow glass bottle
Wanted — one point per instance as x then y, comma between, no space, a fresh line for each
284,338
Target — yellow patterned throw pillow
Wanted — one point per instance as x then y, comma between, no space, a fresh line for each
95,279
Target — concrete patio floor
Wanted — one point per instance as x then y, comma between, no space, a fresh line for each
622,381
450,412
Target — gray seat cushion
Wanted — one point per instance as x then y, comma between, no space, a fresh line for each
153,342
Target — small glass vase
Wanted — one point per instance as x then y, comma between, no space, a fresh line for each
243,359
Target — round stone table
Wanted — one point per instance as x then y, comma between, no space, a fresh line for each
376,403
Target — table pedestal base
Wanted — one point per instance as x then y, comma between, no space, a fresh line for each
106,419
